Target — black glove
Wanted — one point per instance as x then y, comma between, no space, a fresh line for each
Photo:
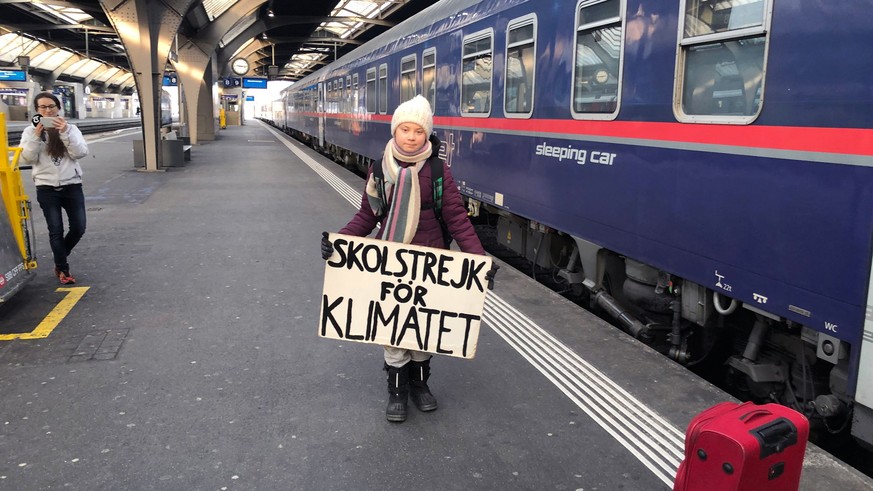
326,246
489,276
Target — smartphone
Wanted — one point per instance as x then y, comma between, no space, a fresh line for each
47,121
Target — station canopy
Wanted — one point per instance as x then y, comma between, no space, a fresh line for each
77,43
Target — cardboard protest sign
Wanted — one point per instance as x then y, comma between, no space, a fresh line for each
402,295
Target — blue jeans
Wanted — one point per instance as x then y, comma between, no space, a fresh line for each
72,200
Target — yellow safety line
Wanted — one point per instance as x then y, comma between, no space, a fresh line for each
51,321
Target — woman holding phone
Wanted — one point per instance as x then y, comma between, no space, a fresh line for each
53,146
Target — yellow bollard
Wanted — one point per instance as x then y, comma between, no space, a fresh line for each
222,118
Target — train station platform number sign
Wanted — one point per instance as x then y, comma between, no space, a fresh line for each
231,82
404,296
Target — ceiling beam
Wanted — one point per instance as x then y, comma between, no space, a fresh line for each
63,3
287,20
57,27
325,41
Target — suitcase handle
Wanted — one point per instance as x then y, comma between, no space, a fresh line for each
775,436
749,416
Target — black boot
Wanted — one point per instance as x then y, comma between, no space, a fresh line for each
419,372
398,391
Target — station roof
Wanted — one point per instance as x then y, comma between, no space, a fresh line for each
76,38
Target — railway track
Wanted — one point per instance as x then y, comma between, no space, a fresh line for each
85,126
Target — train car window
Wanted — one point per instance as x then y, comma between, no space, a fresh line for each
597,70
383,88
476,74
371,90
520,67
720,61
407,78
428,76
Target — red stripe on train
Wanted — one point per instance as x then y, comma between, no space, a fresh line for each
851,141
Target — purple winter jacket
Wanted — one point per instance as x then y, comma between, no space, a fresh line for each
428,233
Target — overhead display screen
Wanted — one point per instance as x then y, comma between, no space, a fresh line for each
254,83
19,76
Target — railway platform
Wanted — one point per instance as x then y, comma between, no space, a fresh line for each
187,357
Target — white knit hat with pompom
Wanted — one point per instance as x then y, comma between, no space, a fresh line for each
416,110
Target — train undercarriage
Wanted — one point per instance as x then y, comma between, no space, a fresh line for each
750,352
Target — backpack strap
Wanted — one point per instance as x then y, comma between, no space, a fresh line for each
379,178
436,176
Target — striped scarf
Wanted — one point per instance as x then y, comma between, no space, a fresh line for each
401,184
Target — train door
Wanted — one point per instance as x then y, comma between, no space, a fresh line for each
864,391
321,114
447,137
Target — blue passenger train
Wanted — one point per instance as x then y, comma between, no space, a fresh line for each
700,169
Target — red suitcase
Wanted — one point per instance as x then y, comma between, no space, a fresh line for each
743,447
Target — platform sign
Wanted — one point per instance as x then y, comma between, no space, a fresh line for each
13,75
405,296
250,98
230,82
254,83
170,81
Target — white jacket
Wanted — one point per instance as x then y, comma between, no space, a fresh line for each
45,171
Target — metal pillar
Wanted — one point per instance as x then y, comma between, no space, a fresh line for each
194,58
147,30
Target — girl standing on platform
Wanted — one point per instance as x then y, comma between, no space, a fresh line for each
53,146
410,211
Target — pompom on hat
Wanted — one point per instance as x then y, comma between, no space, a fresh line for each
416,110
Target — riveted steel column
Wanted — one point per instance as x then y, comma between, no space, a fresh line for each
195,55
191,70
147,29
